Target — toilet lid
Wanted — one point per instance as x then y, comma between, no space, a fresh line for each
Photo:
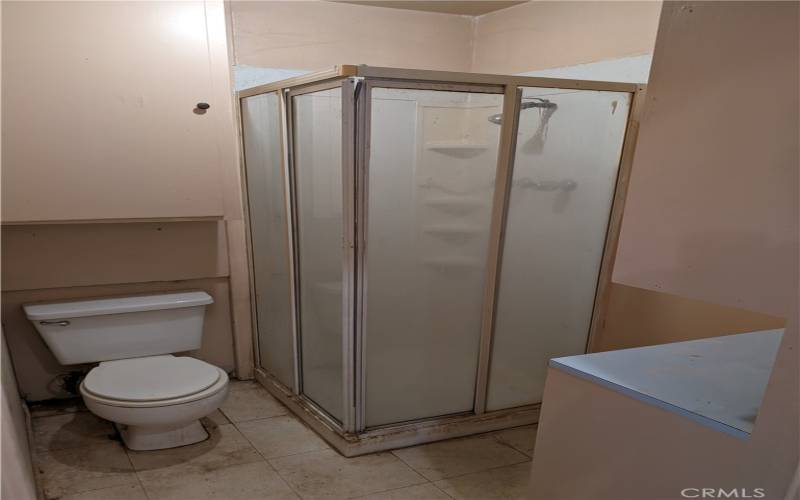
150,379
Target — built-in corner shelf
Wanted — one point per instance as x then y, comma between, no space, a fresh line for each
452,263
453,233
455,205
457,148
328,288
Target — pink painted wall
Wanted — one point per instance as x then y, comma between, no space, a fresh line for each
547,34
316,35
712,210
712,215
17,476
44,261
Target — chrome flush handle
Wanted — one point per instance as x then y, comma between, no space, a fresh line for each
59,323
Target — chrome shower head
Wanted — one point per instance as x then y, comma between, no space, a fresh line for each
537,102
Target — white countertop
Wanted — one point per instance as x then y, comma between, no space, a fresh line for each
718,382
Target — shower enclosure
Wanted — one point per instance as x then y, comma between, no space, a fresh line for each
423,242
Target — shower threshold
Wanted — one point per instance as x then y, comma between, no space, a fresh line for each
390,437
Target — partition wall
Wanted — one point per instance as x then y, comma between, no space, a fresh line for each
423,242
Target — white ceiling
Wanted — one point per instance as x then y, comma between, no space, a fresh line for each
463,7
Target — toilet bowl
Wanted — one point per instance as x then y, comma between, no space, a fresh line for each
155,399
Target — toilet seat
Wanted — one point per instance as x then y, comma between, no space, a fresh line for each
153,381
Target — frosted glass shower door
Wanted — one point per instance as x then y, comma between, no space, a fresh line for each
565,173
317,127
431,171
269,234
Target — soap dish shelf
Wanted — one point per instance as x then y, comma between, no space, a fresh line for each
453,233
457,148
455,205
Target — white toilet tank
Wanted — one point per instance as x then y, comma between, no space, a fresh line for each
87,331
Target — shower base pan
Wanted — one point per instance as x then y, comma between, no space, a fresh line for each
395,436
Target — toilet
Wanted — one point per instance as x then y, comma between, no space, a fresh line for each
153,397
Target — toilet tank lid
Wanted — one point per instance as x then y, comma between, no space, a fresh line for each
116,305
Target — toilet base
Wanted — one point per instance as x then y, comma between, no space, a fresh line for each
142,438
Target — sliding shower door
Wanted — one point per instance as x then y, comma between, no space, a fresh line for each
430,179
317,165
565,171
269,234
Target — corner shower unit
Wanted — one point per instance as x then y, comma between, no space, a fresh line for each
423,242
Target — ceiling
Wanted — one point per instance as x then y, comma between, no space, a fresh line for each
463,7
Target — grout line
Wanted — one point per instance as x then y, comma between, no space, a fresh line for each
511,446
492,436
409,465
42,414
251,419
306,453
296,454
496,436
291,416
280,476
133,467
267,462
480,471
440,489
392,489
257,419
141,484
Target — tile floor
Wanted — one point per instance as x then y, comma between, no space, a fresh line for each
258,450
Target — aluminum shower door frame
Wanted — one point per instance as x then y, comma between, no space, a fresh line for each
351,437
363,134
347,422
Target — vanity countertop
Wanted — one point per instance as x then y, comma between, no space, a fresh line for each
718,382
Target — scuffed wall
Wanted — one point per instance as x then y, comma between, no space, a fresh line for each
17,475
551,34
306,35
712,209
45,261
636,317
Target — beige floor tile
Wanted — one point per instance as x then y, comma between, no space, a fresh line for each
251,403
127,492
83,469
459,456
503,483
281,436
225,447
218,418
326,474
70,430
520,438
238,385
57,407
238,482
418,492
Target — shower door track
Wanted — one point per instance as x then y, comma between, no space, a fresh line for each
394,436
